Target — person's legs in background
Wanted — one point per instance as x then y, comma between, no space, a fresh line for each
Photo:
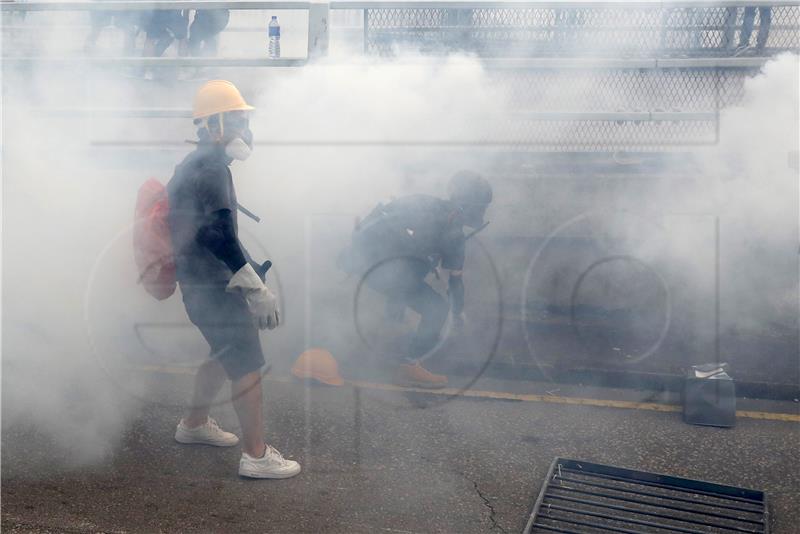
162,27
98,20
748,20
196,35
178,27
128,23
748,24
205,29
153,30
729,28
765,16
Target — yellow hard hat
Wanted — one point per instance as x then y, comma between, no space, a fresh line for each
319,365
218,96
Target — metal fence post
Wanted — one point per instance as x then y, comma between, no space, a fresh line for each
318,28
366,30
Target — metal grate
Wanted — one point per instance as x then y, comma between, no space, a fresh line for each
682,91
602,136
592,498
685,89
606,30
634,31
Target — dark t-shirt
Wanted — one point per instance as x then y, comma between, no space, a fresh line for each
418,226
201,185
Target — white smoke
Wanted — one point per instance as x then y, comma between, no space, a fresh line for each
750,182
74,320
357,134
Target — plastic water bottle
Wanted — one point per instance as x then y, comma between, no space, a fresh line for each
274,47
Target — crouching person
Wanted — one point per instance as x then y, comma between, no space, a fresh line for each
398,245
223,295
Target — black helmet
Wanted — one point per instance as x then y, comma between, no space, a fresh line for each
472,193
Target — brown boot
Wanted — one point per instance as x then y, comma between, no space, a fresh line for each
413,374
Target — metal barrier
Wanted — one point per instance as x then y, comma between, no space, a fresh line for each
574,105
682,98
635,29
564,103
318,15
524,29
528,28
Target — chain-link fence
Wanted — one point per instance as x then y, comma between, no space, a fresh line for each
660,103
609,135
664,89
611,30
615,109
679,107
614,30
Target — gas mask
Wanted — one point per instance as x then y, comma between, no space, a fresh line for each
240,147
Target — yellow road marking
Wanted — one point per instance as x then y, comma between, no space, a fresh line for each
525,397
771,416
500,395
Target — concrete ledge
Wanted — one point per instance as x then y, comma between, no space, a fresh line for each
151,5
491,64
168,113
160,61
113,5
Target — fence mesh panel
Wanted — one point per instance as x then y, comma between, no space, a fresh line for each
675,91
604,30
652,90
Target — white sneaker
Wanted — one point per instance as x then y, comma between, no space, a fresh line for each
208,434
271,465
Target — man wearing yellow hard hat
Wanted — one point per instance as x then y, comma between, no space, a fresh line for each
223,295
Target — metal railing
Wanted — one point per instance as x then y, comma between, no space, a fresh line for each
563,29
562,103
523,29
152,5
318,15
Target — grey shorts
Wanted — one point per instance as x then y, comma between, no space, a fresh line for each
228,327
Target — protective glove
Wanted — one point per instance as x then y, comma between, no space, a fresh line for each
261,302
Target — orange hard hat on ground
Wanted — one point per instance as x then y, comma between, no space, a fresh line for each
218,96
319,365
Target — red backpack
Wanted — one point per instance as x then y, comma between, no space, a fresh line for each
152,244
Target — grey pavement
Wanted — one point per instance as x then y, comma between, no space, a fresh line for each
376,461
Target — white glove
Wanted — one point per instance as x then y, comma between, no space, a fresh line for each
261,302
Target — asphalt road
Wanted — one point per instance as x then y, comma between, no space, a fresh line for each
375,461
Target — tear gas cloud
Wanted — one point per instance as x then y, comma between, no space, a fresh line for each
333,141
